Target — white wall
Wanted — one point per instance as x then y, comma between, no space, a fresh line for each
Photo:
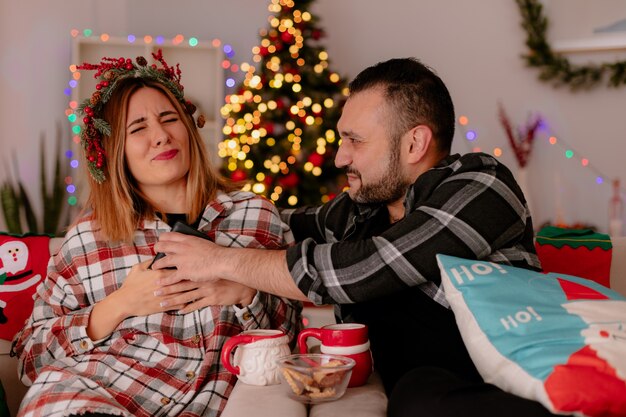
475,46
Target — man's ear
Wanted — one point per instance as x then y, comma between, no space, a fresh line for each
420,140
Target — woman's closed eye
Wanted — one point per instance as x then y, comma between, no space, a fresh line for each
136,129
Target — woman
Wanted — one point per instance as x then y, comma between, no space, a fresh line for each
103,338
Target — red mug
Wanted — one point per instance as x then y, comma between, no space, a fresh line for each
345,339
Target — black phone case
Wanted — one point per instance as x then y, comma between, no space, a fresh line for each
184,228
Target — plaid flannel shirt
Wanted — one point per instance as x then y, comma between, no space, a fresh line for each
467,206
164,364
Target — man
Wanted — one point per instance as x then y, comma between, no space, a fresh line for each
371,250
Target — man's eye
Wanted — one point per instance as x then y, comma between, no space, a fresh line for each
137,129
170,120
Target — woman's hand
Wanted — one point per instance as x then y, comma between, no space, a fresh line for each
136,297
138,292
195,295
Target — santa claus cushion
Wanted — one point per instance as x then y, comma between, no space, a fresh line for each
23,264
553,338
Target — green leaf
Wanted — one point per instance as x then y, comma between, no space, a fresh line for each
31,219
102,126
10,208
53,195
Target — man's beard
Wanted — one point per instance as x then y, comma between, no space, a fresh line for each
391,187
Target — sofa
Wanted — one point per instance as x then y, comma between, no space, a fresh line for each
246,400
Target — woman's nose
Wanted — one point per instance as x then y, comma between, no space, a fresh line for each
161,137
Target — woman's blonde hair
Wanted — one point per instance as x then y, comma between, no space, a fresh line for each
117,204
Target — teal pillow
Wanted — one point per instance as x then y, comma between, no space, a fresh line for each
553,338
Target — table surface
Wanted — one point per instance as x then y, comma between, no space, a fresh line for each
246,400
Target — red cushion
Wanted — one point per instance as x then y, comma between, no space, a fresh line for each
578,252
23,263
593,264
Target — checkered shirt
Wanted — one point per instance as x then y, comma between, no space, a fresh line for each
467,206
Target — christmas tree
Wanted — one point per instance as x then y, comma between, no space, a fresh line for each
280,124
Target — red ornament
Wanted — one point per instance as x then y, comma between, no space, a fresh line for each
286,37
280,104
316,159
263,51
238,175
316,34
289,181
269,128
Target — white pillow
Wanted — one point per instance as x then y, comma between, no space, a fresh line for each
553,338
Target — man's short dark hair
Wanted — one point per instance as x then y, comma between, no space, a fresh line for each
416,95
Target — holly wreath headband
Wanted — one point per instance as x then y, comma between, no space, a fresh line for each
109,72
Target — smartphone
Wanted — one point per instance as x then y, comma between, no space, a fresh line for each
184,228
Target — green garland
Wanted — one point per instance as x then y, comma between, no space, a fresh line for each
557,68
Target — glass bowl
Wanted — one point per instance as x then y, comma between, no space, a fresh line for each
313,378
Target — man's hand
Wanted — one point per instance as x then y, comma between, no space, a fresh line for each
200,260
195,295
192,257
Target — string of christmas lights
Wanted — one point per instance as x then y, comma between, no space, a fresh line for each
70,112
568,151
243,129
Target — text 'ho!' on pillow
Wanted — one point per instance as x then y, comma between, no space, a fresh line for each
553,338
23,264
